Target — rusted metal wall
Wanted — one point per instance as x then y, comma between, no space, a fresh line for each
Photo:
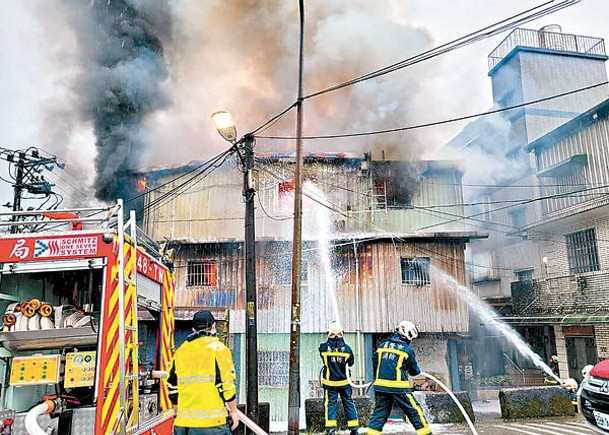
212,208
383,300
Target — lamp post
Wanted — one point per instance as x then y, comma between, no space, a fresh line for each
226,127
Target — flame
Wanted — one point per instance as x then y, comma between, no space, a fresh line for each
141,185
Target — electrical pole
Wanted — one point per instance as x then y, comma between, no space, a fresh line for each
251,349
294,376
18,188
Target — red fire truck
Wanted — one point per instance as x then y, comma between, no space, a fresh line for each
87,308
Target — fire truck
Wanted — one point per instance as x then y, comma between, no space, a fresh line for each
87,304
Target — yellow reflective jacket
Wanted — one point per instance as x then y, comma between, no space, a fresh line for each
201,380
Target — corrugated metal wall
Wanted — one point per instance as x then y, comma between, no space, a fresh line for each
383,300
594,173
213,208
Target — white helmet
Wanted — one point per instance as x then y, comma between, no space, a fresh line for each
335,330
586,370
407,330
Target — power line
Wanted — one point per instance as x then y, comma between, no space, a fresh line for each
442,122
478,35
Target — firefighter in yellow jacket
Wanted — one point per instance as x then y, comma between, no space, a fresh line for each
202,382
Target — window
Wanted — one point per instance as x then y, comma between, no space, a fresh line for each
519,217
415,271
273,368
524,275
582,251
201,273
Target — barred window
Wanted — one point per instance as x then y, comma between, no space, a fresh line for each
415,271
582,252
201,273
273,368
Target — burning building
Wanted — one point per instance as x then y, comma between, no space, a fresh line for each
374,231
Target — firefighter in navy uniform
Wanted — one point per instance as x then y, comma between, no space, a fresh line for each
393,360
337,355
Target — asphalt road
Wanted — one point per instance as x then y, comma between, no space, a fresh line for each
570,426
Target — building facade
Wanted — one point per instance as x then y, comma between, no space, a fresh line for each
543,213
372,248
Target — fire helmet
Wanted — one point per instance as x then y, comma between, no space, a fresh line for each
407,330
570,384
586,370
335,330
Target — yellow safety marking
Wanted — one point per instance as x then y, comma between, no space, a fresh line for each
413,403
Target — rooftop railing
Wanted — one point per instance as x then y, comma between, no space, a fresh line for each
547,40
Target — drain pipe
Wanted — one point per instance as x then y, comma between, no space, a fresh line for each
358,325
450,393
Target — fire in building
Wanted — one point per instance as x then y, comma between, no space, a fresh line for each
373,231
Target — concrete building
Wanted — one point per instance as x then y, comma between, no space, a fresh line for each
371,254
520,208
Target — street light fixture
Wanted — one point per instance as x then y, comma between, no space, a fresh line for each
225,125
223,121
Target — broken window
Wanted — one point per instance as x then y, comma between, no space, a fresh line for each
201,273
415,271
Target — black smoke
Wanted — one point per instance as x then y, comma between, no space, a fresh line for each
123,70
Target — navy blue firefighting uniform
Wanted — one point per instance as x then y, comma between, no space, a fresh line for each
337,355
393,360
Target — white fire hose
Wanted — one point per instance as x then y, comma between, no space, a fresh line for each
457,402
31,418
251,424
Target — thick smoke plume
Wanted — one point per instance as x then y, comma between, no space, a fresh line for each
242,56
121,45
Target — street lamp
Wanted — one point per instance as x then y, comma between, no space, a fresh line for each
223,121
225,125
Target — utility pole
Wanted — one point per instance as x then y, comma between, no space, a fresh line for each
249,192
18,188
294,376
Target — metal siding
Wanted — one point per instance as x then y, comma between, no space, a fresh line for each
212,209
587,140
148,288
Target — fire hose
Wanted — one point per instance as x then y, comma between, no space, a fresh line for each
441,384
31,418
251,424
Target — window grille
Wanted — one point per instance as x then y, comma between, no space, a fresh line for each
201,273
415,271
582,251
273,368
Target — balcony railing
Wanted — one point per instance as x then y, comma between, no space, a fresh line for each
548,40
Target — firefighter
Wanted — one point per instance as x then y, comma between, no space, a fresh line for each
337,356
393,360
202,381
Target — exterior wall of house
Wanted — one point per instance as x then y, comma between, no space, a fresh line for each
382,297
339,196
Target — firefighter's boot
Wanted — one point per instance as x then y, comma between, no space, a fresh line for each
331,431
353,431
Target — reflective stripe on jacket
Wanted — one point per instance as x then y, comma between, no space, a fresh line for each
336,355
204,376
393,360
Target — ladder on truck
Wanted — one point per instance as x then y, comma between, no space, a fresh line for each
127,306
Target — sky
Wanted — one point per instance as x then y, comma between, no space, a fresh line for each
241,56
